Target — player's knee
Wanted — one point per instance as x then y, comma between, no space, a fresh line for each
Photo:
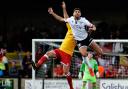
83,51
66,69
66,72
100,52
94,84
50,54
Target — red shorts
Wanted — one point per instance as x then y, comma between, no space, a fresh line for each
64,57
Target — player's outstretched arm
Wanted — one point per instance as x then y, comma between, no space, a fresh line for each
50,10
96,69
65,14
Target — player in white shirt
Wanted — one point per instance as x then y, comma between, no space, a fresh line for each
79,27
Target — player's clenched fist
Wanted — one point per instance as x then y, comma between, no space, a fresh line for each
50,10
63,5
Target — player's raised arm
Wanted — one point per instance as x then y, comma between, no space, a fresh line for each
50,10
65,14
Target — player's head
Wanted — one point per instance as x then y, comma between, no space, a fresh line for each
110,67
77,12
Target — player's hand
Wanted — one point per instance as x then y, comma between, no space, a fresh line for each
92,28
97,74
63,5
50,10
80,75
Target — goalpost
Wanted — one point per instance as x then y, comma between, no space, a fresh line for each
33,55
55,43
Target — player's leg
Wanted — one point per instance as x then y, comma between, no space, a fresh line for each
66,61
83,45
44,58
94,46
93,85
86,57
68,75
84,53
93,81
85,79
83,50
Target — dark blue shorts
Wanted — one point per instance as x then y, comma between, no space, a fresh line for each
85,42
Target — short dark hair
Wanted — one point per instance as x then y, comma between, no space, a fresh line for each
77,9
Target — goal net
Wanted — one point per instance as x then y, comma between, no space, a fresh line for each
114,60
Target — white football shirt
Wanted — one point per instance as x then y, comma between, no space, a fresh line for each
78,27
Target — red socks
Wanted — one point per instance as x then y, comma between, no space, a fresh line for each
42,60
69,79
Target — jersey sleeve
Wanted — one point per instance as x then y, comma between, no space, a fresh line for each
87,23
82,67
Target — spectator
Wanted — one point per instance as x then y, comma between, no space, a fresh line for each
5,61
117,47
101,71
121,71
110,72
27,68
39,53
100,60
13,71
58,71
126,71
2,68
2,65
